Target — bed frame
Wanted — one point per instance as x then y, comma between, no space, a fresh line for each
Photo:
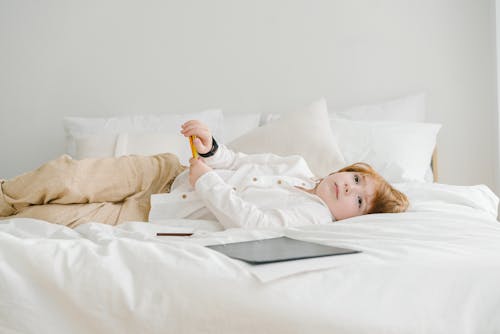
434,165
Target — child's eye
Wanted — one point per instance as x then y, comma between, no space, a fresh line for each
356,178
360,201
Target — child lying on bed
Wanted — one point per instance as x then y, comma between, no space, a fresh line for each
238,190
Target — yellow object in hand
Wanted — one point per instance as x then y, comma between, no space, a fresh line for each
193,148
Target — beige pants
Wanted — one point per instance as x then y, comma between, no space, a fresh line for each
106,190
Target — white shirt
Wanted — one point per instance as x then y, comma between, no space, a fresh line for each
243,190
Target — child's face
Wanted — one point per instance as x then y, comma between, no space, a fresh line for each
347,194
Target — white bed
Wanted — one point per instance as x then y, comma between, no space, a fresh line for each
434,269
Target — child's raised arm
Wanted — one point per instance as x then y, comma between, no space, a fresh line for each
223,157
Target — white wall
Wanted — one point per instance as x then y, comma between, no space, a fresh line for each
497,31
94,58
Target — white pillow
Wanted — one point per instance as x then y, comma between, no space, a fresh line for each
82,133
399,151
306,133
154,143
237,124
410,108
234,125
94,146
405,109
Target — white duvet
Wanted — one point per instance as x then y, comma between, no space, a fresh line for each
434,269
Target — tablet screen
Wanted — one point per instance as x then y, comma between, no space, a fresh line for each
277,249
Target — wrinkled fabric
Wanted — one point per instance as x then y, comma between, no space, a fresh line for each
105,190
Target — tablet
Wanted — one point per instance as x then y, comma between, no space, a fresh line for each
277,250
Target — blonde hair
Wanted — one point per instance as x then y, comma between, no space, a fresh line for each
386,199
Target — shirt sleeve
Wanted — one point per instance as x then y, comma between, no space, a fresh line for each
225,158
232,211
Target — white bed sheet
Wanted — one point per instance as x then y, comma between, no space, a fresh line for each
434,269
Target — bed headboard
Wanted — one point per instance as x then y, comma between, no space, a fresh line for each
434,165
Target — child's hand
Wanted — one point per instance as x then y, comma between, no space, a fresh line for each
203,140
196,169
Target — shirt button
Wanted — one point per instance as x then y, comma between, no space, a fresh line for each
234,188
184,196
254,179
280,182
303,184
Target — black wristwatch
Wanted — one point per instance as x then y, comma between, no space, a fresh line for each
212,151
